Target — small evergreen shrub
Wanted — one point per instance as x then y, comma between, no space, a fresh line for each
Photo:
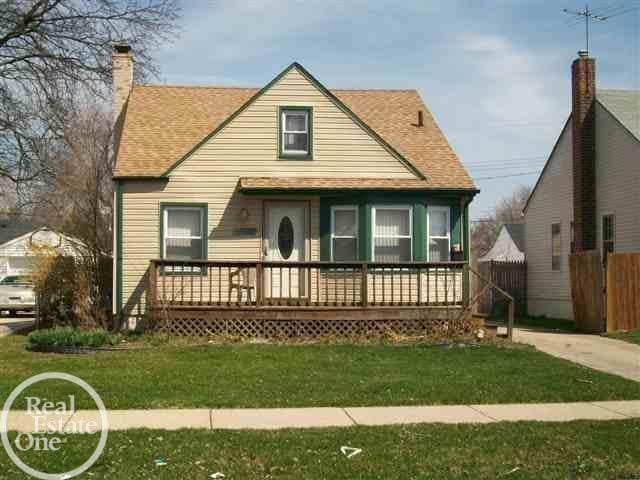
72,337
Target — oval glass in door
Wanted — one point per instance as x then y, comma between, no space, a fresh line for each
285,238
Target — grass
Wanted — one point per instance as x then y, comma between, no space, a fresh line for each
515,451
241,376
632,336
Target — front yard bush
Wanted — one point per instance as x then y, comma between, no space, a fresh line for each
72,337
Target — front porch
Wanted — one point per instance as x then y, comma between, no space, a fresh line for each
307,299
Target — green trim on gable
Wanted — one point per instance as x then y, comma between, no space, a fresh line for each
337,102
119,237
292,156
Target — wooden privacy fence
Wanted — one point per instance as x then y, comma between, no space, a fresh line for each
586,291
508,276
623,291
605,299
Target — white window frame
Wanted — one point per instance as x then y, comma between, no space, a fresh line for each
408,208
165,235
352,208
447,210
283,118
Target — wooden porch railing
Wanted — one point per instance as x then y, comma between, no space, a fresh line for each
256,284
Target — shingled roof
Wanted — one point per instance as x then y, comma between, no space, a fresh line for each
162,125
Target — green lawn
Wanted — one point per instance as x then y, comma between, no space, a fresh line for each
631,337
242,375
515,451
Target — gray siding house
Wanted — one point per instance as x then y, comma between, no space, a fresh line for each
588,194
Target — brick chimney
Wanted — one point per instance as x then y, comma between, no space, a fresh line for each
122,79
583,83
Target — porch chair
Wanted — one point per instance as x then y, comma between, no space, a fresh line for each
241,280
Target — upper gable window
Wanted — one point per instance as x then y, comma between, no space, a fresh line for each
296,132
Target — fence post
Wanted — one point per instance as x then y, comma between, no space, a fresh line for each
259,283
153,291
465,285
364,293
510,324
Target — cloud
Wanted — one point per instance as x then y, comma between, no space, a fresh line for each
516,81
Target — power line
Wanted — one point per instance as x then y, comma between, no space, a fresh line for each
521,174
503,161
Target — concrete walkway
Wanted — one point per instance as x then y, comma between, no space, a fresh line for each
9,326
276,418
593,351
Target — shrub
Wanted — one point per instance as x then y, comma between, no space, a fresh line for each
67,292
72,337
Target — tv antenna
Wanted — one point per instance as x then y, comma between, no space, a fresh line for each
588,15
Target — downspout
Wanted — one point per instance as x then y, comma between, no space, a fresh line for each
118,252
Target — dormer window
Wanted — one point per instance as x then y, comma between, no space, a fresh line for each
296,133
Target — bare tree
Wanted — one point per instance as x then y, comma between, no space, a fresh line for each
508,210
77,201
52,49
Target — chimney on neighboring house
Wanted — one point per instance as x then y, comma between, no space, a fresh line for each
122,79
583,83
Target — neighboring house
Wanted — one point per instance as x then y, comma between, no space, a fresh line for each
291,172
17,242
509,246
587,196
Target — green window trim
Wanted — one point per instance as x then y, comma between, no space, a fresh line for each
282,155
420,205
204,208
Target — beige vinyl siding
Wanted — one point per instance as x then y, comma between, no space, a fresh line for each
617,181
248,146
548,291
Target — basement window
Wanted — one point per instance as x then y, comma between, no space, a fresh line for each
556,245
296,133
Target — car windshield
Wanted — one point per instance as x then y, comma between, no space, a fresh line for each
16,280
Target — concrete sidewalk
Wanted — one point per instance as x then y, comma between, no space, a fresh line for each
277,418
10,326
593,351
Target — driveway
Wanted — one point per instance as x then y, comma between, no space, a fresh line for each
11,325
601,353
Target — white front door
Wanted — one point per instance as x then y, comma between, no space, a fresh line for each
285,242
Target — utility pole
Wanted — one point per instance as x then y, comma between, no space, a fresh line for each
588,16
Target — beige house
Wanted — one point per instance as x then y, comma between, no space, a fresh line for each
292,194
587,195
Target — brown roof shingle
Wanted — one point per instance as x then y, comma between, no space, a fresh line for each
163,123
326,183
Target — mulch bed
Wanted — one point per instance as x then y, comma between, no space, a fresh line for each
82,350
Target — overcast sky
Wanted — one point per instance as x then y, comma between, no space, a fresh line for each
494,74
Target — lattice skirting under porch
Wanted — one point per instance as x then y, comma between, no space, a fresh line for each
413,322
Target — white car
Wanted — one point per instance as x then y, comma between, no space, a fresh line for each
16,294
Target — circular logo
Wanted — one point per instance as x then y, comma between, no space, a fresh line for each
9,448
